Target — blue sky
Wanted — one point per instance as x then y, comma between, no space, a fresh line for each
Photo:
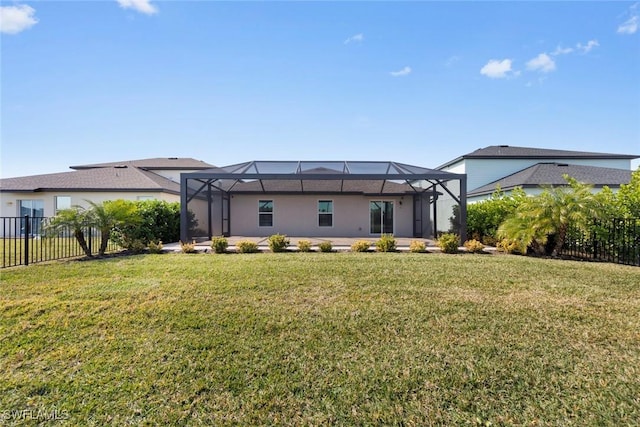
226,82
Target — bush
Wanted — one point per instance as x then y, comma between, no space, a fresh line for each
448,243
511,246
246,247
387,243
155,247
136,246
278,243
325,246
219,244
360,246
473,246
484,217
188,248
304,245
417,246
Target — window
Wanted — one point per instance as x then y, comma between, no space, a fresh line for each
325,213
265,213
35,209
63,202
31,207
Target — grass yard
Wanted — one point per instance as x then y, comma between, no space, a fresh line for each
321,339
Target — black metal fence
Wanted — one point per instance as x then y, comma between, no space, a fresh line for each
24,241
615,241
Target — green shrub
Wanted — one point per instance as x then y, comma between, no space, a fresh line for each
417,246
278,242
188,248
448,243
473,246
155,247
304,245
484,217
219,244
246,247
387,243
360,246
325,246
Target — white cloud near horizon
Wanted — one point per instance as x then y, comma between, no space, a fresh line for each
497,69
401,73
630,26
542,63
142,6
356,38
14,19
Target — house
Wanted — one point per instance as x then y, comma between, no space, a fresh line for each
534,178
317,199
490,166
44,195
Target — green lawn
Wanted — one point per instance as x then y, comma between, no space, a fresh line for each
321,339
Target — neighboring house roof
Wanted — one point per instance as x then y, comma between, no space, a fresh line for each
509,152
542,174
121,178
164,163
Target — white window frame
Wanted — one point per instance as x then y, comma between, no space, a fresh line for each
260,202
325,213
57,208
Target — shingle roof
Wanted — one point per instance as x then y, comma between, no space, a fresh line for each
552,174
323,186
100,179
166,163
510,152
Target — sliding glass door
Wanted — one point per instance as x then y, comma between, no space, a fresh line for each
381,217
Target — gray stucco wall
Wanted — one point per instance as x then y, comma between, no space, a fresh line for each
297,215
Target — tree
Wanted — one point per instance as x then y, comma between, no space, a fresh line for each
628,197
109,215
552,213
74,219
484,217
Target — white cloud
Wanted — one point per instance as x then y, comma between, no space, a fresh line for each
542,63
587,48
356,38
400,73
142,6
14,19
497,69
630,26
452,60
562,51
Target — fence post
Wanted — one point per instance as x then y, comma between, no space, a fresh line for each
27,231
90,241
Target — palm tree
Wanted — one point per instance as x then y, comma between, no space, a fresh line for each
109,215
74,219
552,212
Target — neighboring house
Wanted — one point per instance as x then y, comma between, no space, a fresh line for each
44,195
511,167
534,178
316,199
